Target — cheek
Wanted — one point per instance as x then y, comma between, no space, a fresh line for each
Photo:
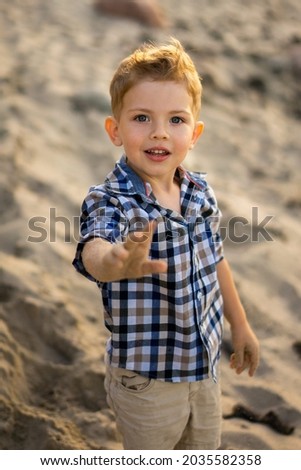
132,138
184,141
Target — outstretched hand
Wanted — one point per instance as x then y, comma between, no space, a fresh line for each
130,259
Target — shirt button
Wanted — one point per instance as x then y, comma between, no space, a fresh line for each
199,295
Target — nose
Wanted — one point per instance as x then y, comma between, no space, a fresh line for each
159,131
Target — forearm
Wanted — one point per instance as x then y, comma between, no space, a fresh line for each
93,254
245,343
233,309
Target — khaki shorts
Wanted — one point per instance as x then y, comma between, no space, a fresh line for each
151,414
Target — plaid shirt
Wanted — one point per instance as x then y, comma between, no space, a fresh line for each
165,326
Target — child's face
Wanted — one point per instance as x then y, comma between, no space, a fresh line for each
156,127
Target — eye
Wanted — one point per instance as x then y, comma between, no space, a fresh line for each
176,120
141,118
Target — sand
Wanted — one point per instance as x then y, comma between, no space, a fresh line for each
57,59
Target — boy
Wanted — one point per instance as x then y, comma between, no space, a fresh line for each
150,240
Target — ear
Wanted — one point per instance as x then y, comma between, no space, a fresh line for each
111,126
198,130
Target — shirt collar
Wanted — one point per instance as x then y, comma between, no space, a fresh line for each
124,180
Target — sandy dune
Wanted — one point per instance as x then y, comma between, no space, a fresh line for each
57,59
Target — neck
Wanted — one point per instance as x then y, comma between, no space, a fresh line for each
165,185
167,193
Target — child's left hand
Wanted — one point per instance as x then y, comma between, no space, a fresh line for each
246,350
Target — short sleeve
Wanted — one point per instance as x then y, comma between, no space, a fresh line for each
101,216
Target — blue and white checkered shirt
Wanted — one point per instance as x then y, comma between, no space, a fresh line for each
164,326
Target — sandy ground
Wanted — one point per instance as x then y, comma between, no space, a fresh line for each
57,59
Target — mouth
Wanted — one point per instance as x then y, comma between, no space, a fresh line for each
157,154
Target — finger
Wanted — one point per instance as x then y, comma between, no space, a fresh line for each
239,363
154,267
232,360
254,361
143,236
242,368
